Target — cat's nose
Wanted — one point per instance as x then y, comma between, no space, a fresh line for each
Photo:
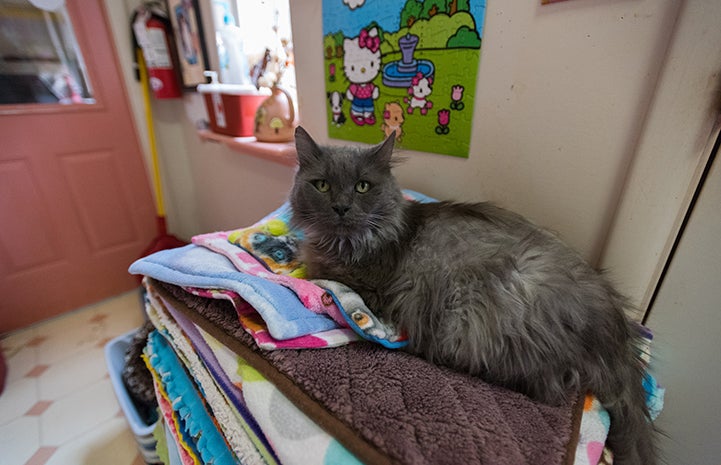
341,210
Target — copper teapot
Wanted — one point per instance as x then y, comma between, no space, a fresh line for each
275,118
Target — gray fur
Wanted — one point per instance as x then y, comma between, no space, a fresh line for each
477,288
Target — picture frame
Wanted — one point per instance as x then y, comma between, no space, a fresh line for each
189,41
404,67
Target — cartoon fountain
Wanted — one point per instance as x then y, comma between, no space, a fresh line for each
399,73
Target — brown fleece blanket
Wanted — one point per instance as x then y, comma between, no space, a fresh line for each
390,407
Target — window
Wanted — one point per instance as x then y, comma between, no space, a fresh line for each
40,61
254,42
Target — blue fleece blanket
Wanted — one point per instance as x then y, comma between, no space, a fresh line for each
195,266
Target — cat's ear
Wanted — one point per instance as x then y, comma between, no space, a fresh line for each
382,153
308,151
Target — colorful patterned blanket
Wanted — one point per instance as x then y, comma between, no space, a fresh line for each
256,270
235,395
381,406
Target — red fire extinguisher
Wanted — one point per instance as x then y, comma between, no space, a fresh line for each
153,33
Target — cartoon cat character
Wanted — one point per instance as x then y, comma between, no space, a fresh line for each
393,120
419,90
361,64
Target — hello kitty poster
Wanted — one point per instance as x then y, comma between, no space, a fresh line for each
403,66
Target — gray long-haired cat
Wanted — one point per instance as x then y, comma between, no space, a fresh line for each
477,288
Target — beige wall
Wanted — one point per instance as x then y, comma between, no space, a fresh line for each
563,95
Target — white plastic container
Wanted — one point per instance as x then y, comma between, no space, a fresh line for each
234,67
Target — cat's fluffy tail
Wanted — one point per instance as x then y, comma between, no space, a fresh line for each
631,435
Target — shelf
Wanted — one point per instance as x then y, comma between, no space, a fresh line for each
279,152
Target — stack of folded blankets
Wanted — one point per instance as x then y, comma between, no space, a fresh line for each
253,364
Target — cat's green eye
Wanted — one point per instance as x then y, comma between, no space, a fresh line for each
322,185
362,186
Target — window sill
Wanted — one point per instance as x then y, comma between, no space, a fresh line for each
279,152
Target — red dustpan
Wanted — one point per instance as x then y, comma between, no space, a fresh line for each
163,240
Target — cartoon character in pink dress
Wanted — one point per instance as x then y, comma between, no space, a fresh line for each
361,64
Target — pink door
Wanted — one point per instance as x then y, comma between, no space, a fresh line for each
75,203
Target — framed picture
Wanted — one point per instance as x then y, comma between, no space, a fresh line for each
185,17
403,66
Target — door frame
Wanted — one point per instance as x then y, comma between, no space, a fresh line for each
673,150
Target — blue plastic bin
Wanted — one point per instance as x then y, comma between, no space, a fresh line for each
115,359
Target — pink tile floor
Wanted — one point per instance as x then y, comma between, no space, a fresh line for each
58,406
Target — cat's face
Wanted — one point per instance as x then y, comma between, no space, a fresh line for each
343,191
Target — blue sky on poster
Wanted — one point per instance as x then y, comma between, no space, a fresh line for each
338,13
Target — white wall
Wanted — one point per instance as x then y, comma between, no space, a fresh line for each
563,95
